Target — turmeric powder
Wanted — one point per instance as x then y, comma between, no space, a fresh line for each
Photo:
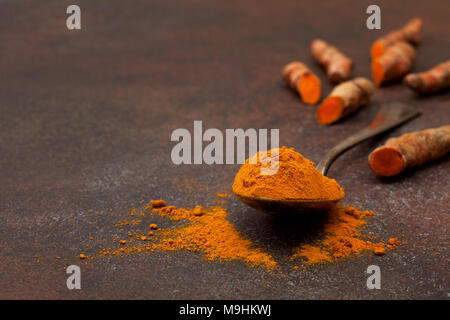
345,98
409,33
394,63
158,203
337,65
296,178
198,211
217,239
223,195
213,235
408,150
379,251
209,233
341,238
302,80
434,80
206,230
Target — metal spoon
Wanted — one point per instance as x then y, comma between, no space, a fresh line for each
391,114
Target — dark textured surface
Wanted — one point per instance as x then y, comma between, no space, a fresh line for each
85,121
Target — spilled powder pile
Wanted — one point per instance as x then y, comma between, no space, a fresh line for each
211,234
341,238
203,230
208,232
296,178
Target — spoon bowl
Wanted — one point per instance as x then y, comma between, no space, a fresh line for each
275,206
391,114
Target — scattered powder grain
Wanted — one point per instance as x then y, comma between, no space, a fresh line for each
158,203
223,195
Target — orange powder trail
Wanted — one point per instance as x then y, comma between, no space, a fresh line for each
341,238
204,230
208,232
211,234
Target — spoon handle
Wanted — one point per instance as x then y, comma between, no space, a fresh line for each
391,114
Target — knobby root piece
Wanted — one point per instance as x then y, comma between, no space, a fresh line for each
409,33
345,99
302,80
337,65
408,150
394,63
434,80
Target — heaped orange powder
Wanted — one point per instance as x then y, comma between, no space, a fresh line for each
296,178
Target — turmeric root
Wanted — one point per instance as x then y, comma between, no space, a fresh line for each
408,150
345,99
409,33
337,65
302,80
394,63
434,80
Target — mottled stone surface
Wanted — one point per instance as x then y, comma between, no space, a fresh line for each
85,124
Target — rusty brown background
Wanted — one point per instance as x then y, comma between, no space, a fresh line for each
85,124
